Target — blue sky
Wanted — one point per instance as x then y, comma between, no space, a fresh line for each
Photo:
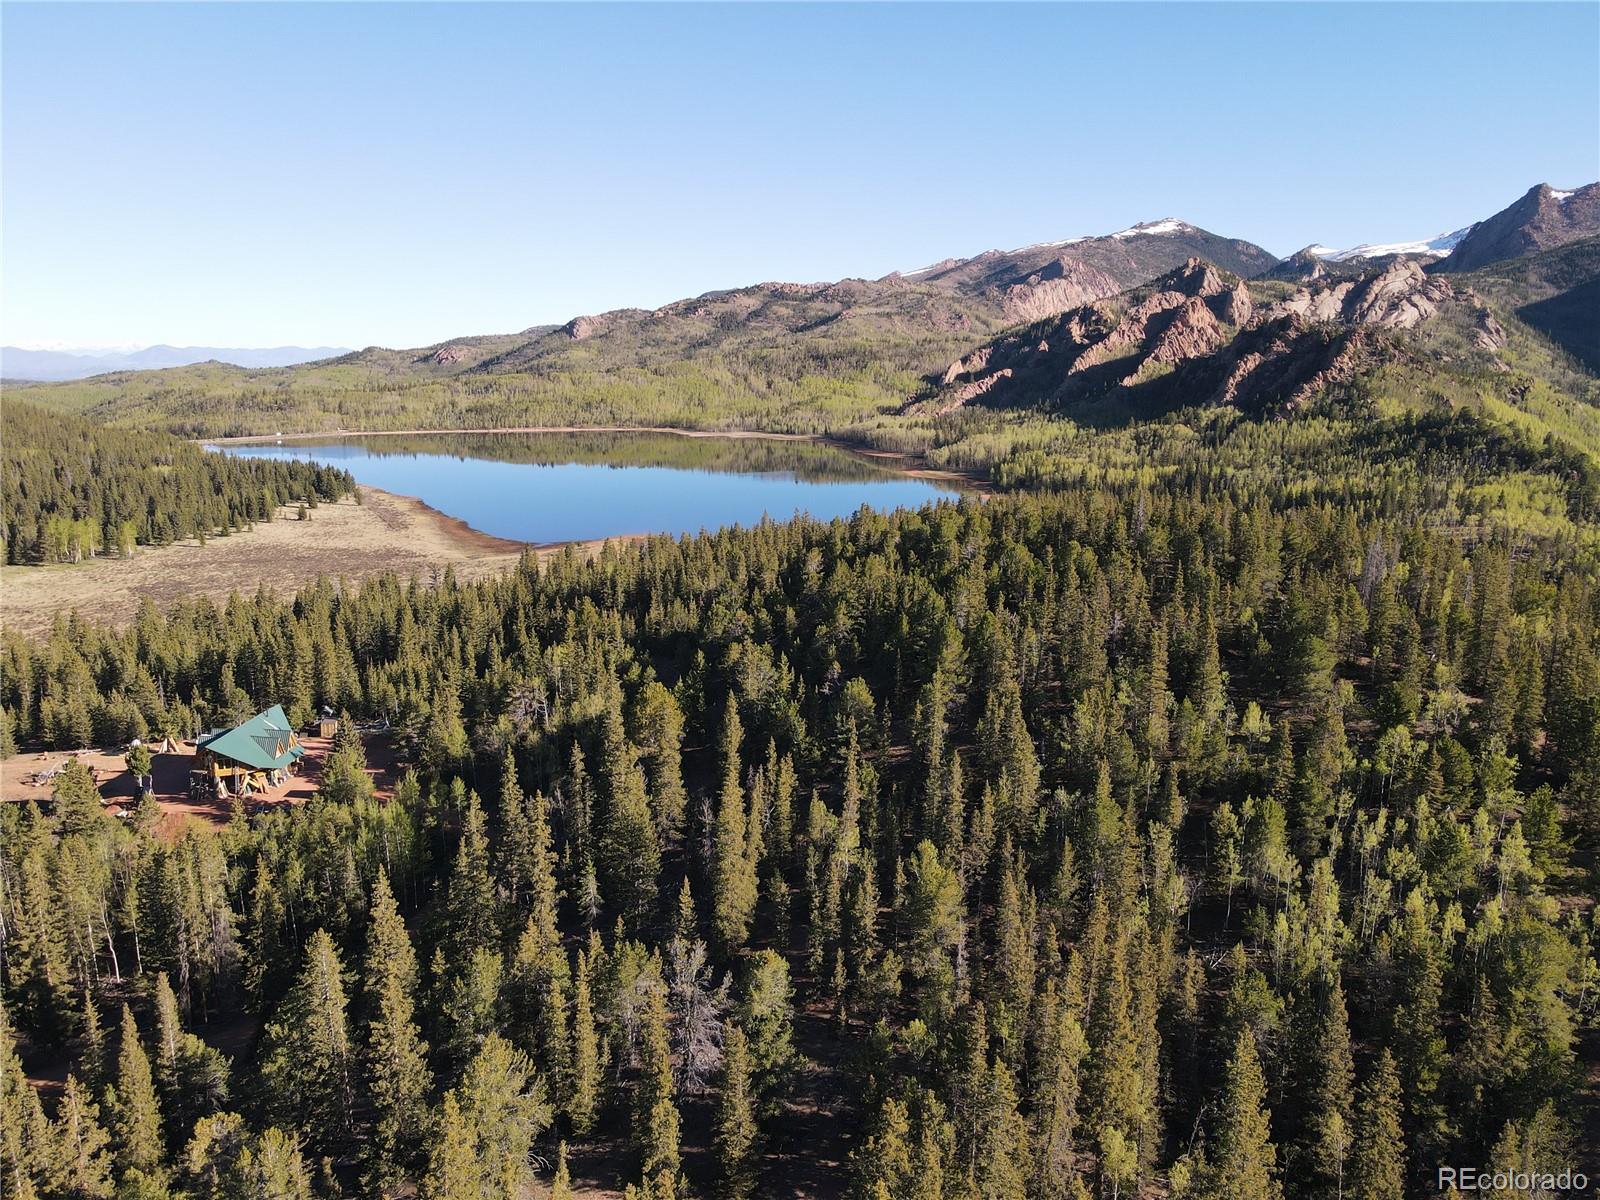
251,175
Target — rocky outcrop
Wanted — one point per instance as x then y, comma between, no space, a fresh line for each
1193,331
1283,363
585,327
1187,314
1196,336
448,356
1401,296
1062,285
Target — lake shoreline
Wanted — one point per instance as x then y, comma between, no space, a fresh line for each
387,531
975,482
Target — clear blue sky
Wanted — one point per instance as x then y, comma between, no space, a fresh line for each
251,175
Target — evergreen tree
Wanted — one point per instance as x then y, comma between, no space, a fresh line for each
733,893
561,1185
1329,1123
82,1160
736,1120
305,1055
394,1058
657,1113
1246,1166
583,1091
472,905
630,853
133,1107
1378,1167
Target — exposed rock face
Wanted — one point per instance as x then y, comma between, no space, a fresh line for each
1283,363
1062,285
1542,219
1237,307
1490,335
1196,336
1401,296
1186,314
583,327
446,356
1193,330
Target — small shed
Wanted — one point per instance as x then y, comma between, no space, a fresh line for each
327,726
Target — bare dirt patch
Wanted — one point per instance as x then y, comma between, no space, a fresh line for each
19,780
342,541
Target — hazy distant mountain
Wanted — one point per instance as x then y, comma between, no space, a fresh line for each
1050,277
1544,218
47,366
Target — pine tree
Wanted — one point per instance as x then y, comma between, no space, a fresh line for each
882,1164
1328,1099
83,1163
1056,1097
472,905
1002,1159
766,1015
453,1170
658,1122
92,1042
27,1150
1378,1168
277,1169
1246,1166
132,1104
733,893
305,1056
736,1120
394,1058
583,1091
561,1185
630,852
659,721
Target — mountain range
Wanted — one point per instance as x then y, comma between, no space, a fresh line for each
1132,325
23,364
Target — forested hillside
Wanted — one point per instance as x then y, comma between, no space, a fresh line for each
73,488
1216,843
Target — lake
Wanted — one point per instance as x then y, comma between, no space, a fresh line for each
571,487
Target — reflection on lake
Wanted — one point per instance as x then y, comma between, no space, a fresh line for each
578,486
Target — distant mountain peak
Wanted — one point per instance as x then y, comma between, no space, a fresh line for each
1155,228
1542,218
54,366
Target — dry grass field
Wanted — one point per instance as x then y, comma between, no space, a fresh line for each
345,540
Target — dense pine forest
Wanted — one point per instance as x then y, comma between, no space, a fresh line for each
71,488
1167,837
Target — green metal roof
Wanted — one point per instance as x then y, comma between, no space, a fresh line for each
257,742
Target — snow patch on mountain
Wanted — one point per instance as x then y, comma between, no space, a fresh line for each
1148,228
1435,247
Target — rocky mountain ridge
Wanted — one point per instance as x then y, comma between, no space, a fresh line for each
1202,336
1542,219
1038,281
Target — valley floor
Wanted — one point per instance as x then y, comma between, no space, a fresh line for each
345,540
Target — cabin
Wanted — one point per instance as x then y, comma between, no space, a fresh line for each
261,753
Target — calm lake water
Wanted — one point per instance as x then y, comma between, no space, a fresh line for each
575,486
